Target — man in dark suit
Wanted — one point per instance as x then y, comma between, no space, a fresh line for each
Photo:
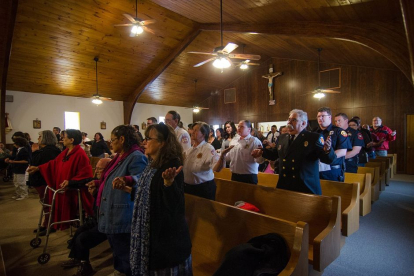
299,153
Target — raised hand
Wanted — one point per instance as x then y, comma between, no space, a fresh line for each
169,175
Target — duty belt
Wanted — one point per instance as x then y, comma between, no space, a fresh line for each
336,167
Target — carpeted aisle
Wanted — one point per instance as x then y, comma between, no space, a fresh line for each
18,219
384,243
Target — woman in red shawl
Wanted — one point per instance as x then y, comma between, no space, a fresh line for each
70,169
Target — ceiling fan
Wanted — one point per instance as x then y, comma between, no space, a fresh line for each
195,108
96,98
243,65
222,55
319,92
138,25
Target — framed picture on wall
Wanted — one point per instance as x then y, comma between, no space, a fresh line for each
103,125
37,123
144,126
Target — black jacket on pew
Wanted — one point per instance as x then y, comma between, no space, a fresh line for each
299,162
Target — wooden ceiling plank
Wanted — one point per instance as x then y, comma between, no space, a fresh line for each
407,9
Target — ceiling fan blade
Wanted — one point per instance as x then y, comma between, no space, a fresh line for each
330,91
245,56
130,18
106,99
204,108
204,62
123,25
249,63
147,22
202,53
230,47
148,30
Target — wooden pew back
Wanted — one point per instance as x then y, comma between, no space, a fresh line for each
374,173
215,228
321,213
223,174
364,181
349,193
381,167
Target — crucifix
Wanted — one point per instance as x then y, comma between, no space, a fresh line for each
270,77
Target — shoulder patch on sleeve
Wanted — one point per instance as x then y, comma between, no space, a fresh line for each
212,152
343,133
321,140
360,136
184,140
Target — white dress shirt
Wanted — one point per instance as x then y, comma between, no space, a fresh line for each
183,137
240,157
199,162
272,137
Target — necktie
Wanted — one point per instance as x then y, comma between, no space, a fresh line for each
291,138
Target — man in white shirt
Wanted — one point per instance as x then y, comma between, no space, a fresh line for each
243,165
272,135
173,118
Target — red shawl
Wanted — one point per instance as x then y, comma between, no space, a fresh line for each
75,166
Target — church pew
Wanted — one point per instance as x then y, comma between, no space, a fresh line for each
215,228
394,162
223,174
388,167
349,206
381,166
323,214
349,193
375,183
392,167
364,181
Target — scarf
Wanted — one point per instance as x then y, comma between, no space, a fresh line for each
140,229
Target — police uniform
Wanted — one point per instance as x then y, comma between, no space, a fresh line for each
183,137
243,165
357,140
299,161
198,174
339,138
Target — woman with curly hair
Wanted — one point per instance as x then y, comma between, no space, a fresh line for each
114,194
99,146
160,240
229,134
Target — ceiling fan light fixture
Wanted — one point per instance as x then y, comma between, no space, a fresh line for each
244,66
97,101
196,110
221,63
136,30
319,95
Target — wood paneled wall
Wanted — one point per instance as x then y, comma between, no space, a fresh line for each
366,92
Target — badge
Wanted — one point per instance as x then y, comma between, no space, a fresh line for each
184,140
331,132
360,136
306,143
343,133
321,140
279,147
199,155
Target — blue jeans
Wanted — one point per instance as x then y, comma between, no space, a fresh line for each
381,152
371,154
120,244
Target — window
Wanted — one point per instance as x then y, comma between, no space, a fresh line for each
72,120
161,119
215,127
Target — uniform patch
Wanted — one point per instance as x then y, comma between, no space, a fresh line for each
306,143
321,140
199,155
360,136
184,140
343,133
331,132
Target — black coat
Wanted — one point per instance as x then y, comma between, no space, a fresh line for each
299,162
98,148
39,157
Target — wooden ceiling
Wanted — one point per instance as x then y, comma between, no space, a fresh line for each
55,42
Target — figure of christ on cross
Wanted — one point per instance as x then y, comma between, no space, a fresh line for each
270,77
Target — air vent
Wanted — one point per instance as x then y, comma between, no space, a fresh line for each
9,98
230,95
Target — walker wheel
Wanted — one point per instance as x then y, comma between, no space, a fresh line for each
35,242
44,258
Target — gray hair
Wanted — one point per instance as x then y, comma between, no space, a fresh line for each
302,115
48,138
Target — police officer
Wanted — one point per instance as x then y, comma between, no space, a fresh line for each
299,152
244,168
340,144
357,142
198,163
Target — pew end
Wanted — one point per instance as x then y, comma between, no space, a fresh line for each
364,181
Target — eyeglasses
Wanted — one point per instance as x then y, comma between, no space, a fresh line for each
322,116
149,139
352,125
112,140
292,120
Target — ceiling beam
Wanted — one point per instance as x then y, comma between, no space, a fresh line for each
8,11
386,38
129,104
407,10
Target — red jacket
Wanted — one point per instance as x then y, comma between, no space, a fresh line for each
382,132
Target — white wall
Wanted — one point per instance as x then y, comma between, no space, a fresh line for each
50,110
143,111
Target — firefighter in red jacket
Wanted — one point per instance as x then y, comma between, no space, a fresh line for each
381,136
